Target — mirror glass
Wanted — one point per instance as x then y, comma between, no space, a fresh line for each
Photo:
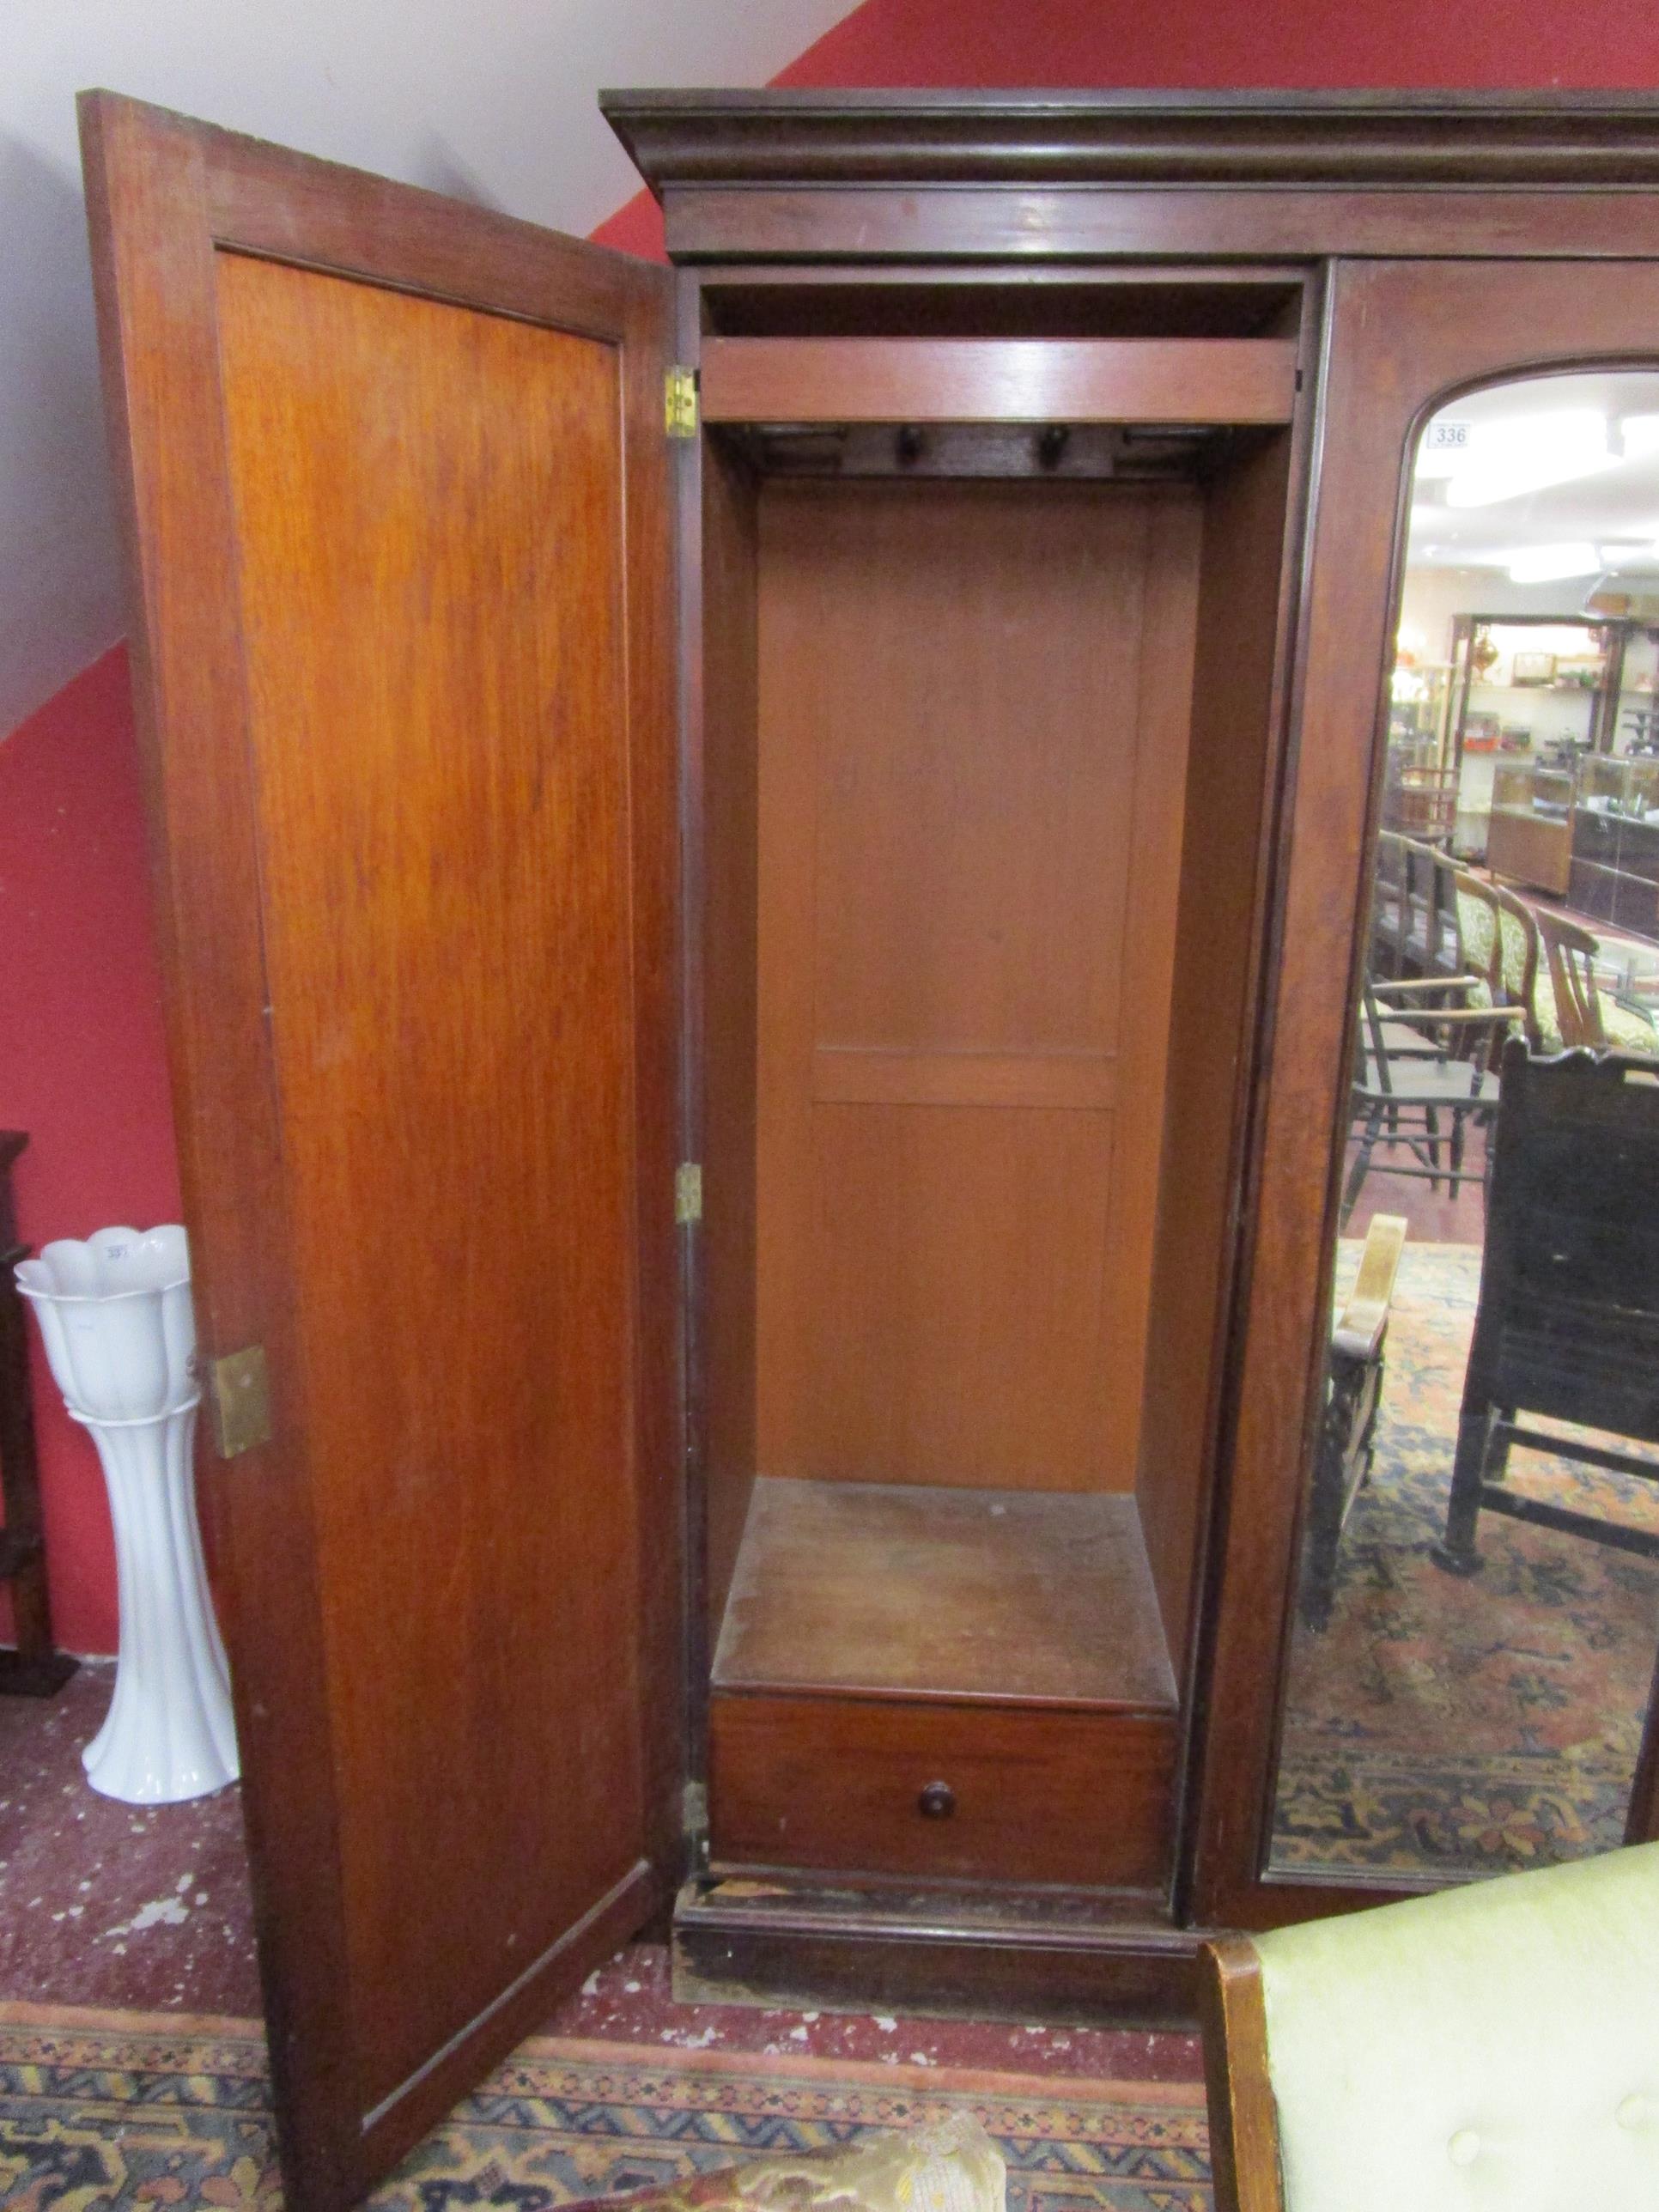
1473,1653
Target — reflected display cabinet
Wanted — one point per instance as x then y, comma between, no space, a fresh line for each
763,866
1529,832
1616,843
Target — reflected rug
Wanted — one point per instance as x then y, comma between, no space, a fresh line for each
1464,1727
106,2110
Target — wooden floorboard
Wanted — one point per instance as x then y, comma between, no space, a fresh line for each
1033,1597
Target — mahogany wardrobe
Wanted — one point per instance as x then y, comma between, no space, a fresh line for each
760,867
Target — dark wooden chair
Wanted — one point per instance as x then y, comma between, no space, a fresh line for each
1347,1436
1568,1323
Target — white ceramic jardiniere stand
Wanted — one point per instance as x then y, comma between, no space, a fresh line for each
116,1316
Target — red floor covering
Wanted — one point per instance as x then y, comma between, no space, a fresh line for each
111,1904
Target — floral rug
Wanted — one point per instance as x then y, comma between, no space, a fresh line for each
1464,1727
106,2110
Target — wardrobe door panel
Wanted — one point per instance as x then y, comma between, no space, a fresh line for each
397,518
1405,339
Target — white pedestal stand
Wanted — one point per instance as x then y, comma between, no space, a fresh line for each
116,1317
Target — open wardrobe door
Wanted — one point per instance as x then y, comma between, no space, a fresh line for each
397,499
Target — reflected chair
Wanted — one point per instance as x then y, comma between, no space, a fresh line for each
1496,2045
1567,1327
1573,1006
1414,925
1347,1433
1498,936
1501,941
1422,1076
1571,953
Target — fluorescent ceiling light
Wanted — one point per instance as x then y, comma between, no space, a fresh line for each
1639,435
1551,564
1523,453
1628,552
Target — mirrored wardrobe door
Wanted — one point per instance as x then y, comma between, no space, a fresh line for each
1478,1597
1436,1644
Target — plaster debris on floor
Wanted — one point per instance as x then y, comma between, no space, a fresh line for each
149,1908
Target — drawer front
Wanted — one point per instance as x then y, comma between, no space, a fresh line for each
993,1792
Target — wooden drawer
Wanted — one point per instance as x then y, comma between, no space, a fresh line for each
1035,1794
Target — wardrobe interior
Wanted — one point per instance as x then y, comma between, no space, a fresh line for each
989,730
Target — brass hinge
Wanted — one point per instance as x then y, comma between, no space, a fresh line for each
239,1395
680,402
688,1192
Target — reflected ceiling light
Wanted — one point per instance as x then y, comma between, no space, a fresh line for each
1628,552
1530,453
1551,564
1519,453
1639,435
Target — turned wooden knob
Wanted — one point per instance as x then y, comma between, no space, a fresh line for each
937,1802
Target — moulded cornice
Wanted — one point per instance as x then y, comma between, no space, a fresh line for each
1414,140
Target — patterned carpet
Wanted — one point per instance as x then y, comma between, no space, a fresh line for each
101,2111
1455,1727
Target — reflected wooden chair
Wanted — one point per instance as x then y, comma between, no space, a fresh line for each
1572,953
1414,928
1494,2046
1347,1434
1420,799
1501,938
1567,1327
1498,943
1419,1083
1572,1006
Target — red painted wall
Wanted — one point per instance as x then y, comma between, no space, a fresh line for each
1607,45
81,1056
82,1059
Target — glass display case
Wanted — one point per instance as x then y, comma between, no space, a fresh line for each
1522,683
1529,826
1614,872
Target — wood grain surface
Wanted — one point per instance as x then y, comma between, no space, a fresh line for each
1035,1795
914,379
396,528
972,732
444,870
1242,632
866,1587
1243,2119
725,942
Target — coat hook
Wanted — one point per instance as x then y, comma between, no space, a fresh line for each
1051,445
909,446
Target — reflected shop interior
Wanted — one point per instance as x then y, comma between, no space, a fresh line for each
1473,1657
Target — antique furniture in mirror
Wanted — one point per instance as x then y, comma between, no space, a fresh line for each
1567,1324
839,782
1456,1706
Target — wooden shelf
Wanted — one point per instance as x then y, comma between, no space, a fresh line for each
874,1589
916,380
